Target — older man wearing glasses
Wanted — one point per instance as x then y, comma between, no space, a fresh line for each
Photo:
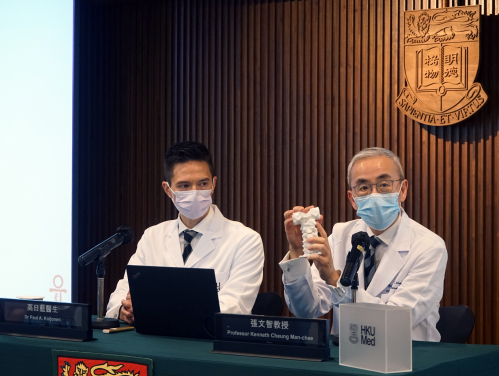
405,265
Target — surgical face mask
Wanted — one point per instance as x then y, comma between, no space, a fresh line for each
378,210
192,204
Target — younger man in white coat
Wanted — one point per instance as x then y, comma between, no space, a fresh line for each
201,237
405,268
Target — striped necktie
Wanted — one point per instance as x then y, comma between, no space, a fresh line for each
188,236
370,261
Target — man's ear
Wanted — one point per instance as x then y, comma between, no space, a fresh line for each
167,189
214,184
352,201
403,191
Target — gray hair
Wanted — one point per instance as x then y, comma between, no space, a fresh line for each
375,152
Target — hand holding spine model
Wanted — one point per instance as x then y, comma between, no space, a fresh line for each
308,229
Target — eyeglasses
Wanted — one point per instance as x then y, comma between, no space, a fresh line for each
383,187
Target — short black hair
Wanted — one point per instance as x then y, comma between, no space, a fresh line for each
186,151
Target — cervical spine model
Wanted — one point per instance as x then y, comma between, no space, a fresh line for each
308,229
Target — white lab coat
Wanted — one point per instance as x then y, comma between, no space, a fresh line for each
234,251
410,274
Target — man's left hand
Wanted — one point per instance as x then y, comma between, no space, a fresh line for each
323,263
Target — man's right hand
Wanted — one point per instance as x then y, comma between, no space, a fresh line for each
126,311
293,232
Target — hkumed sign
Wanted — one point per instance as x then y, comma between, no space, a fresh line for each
441,53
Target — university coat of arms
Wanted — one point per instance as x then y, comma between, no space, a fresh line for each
441,53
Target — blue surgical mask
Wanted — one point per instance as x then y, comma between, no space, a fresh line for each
378,210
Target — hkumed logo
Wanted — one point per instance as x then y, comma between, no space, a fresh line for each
354,336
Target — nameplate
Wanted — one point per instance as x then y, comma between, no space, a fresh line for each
44,319
272,336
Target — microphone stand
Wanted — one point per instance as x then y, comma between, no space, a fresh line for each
102,322
355,287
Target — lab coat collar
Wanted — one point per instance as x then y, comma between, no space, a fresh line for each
392,261
205,245
387,236
401,240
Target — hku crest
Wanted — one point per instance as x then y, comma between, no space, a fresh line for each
354,335
441,53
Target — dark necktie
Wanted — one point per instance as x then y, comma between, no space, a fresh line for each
370,261
188,236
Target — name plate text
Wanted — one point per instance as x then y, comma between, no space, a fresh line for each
35,318
283,337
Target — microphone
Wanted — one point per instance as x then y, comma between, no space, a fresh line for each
124,235
360,242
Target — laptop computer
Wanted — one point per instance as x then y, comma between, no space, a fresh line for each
179,302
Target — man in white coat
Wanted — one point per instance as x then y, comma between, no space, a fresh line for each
404,266
201,237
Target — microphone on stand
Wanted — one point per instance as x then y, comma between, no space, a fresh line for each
124,235
349,276
360,242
